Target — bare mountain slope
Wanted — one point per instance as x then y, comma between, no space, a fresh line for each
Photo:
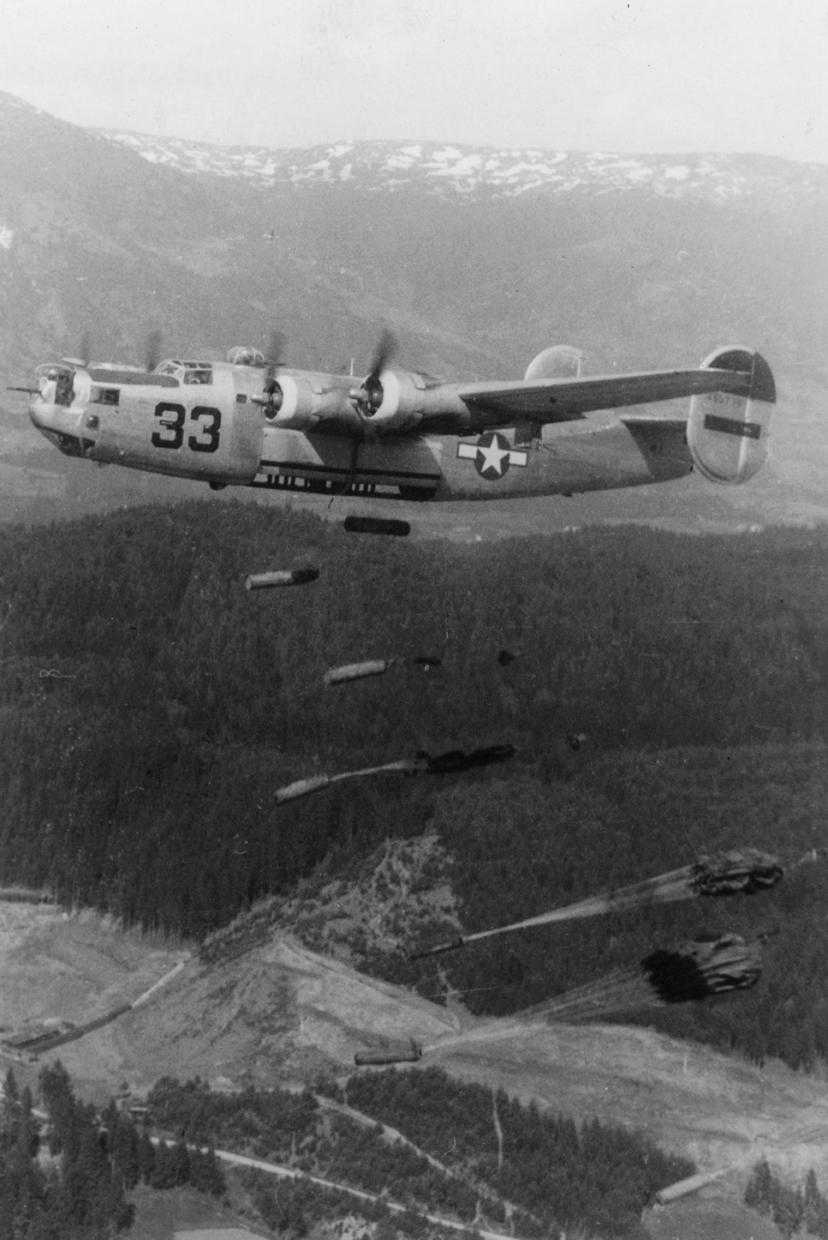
282,1013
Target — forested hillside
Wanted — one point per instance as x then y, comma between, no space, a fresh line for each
460,1150
519,850
151,707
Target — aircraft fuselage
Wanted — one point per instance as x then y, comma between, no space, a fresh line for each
207,422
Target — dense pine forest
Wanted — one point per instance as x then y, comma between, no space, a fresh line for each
150,706
66,1170
468,1153
79,1193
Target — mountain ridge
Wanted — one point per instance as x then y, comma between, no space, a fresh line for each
474,268
460,169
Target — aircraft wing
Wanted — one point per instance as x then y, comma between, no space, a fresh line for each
567,399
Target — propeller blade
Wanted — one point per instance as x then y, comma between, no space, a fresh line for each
384,352
272,395
81,358
276,347
368,398
152,353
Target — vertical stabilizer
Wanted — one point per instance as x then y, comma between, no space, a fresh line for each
727,431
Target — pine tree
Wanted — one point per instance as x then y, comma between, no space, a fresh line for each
813,1202
123,1146
205,1172
165,1170
758,1194
146,1158
10,1112
59,1101
181,1162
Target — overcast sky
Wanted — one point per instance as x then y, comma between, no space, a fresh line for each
615,75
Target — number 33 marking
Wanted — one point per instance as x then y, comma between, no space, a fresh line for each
171,419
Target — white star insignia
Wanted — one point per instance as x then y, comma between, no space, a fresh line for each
492,455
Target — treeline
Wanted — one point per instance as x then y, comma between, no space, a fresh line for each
551,1173
297,1207
68,1178
799,1210
80,1196
151,705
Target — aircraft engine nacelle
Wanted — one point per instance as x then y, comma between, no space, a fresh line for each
292,402
392,400
727,432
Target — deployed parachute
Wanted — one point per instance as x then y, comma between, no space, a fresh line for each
745,870
703,967
738,870
695,970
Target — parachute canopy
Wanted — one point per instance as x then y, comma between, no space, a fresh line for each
694,970
744,871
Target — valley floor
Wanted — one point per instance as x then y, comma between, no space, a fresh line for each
281,1013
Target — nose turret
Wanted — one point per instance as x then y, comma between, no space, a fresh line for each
58,405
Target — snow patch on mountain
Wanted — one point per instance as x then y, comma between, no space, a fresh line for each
451,170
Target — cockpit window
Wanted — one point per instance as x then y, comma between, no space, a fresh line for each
105,396
186,372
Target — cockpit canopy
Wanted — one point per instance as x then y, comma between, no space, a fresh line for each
243,355
187,372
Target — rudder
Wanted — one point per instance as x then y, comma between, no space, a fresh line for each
727,431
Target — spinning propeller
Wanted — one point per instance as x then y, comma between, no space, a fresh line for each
84,352
368,398
152,353
274,359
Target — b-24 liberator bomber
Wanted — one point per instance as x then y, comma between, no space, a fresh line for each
249,421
